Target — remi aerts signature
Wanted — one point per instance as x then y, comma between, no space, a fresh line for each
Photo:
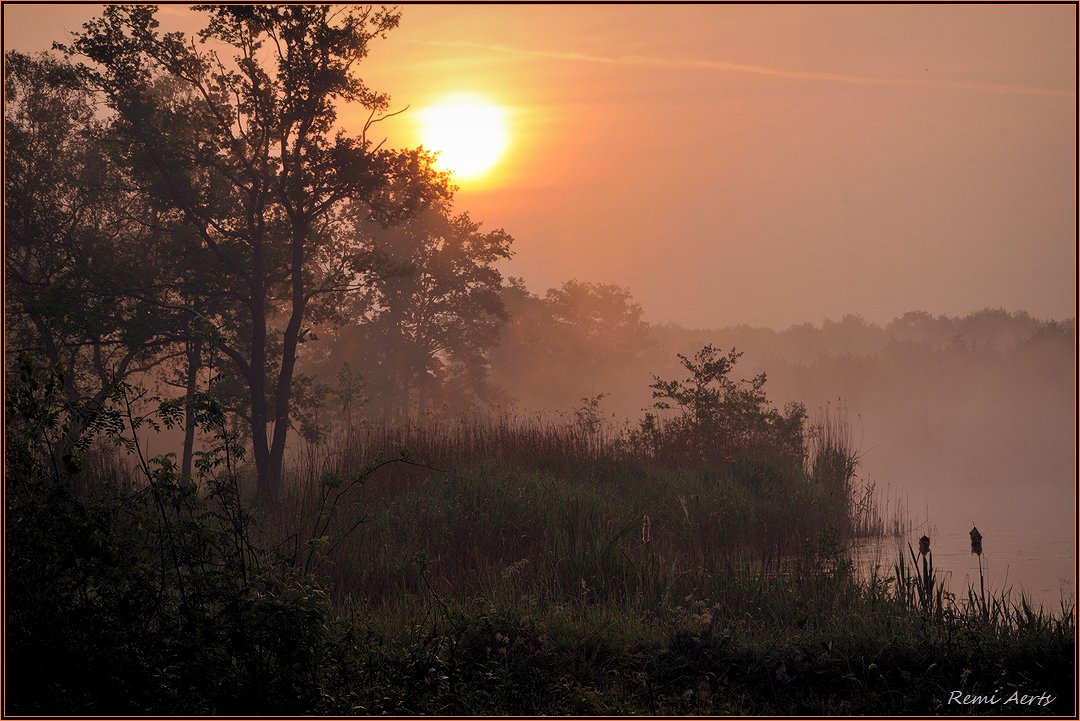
1016,698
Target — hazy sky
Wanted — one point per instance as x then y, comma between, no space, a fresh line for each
759,164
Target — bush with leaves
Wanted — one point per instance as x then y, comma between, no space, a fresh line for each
153,601
718,419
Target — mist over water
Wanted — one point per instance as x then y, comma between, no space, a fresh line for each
1039,565
959,421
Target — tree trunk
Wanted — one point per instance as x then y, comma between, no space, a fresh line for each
290,342
194,352
267,478
282,402
268,475
270,461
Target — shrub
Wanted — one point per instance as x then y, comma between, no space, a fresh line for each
153,601
718,418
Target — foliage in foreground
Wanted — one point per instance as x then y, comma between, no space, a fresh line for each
126,601
157,600
865,656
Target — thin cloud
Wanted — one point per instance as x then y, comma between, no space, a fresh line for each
690,64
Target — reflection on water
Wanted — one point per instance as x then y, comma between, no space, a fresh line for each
1043,568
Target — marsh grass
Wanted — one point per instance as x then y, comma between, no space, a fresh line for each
542,570
560,504
917,585
499,566
745,643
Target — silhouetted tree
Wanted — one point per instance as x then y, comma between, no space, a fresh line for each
83,294
720,417
246,150
577,340
431,312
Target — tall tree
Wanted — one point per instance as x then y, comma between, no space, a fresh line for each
434,310
578,340
246,149
600,313
82,295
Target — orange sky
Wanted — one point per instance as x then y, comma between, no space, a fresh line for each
759,164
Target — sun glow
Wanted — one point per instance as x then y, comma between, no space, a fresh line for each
468,133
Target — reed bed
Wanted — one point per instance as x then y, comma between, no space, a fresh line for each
499,566
554,507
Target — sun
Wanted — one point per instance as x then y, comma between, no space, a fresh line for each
468,132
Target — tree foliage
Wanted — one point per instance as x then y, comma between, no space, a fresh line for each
236,135
84,283
431,311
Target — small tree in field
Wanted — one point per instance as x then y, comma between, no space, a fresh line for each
719,417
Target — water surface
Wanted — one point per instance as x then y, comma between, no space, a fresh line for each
1040,565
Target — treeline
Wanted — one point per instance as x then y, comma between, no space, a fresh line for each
549,358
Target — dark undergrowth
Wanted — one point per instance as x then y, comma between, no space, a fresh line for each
503,582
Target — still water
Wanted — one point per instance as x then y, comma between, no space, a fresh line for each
1041,565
